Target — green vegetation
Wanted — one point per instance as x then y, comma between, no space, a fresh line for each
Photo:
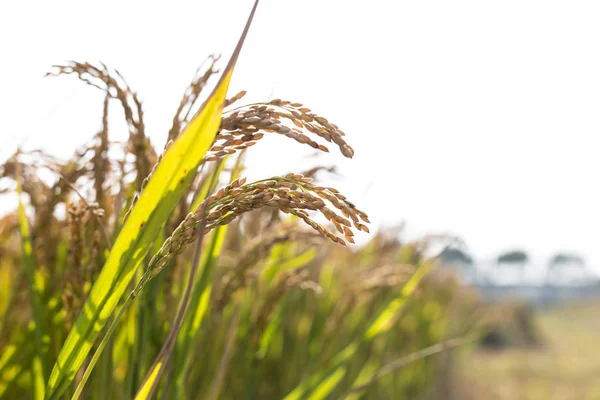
173,277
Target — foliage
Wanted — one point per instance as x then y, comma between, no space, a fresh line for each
183,280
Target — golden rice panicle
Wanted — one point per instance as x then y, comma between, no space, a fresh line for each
243,126
115,86
303,117
234,99
72,292
100,160
292,194
80,254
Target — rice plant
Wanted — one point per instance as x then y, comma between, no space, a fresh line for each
144,273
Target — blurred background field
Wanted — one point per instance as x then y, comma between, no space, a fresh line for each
564,364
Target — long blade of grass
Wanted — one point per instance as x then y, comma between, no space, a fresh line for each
272,328
39,366
389,315
171,178
101,346
144,279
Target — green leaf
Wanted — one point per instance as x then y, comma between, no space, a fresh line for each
202,290
328,385
165,188
39,367
272,328
388,316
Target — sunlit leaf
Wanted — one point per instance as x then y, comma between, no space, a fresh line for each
168,183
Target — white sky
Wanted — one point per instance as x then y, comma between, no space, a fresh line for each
473,117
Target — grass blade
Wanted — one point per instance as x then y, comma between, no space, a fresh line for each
389,315
171,178
150,382
39,366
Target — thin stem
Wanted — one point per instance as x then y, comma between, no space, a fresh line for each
410,358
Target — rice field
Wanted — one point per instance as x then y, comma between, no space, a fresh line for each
156,270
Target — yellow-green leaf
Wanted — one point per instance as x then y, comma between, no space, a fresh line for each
386,318
148,386
39,368
327,386
165,188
